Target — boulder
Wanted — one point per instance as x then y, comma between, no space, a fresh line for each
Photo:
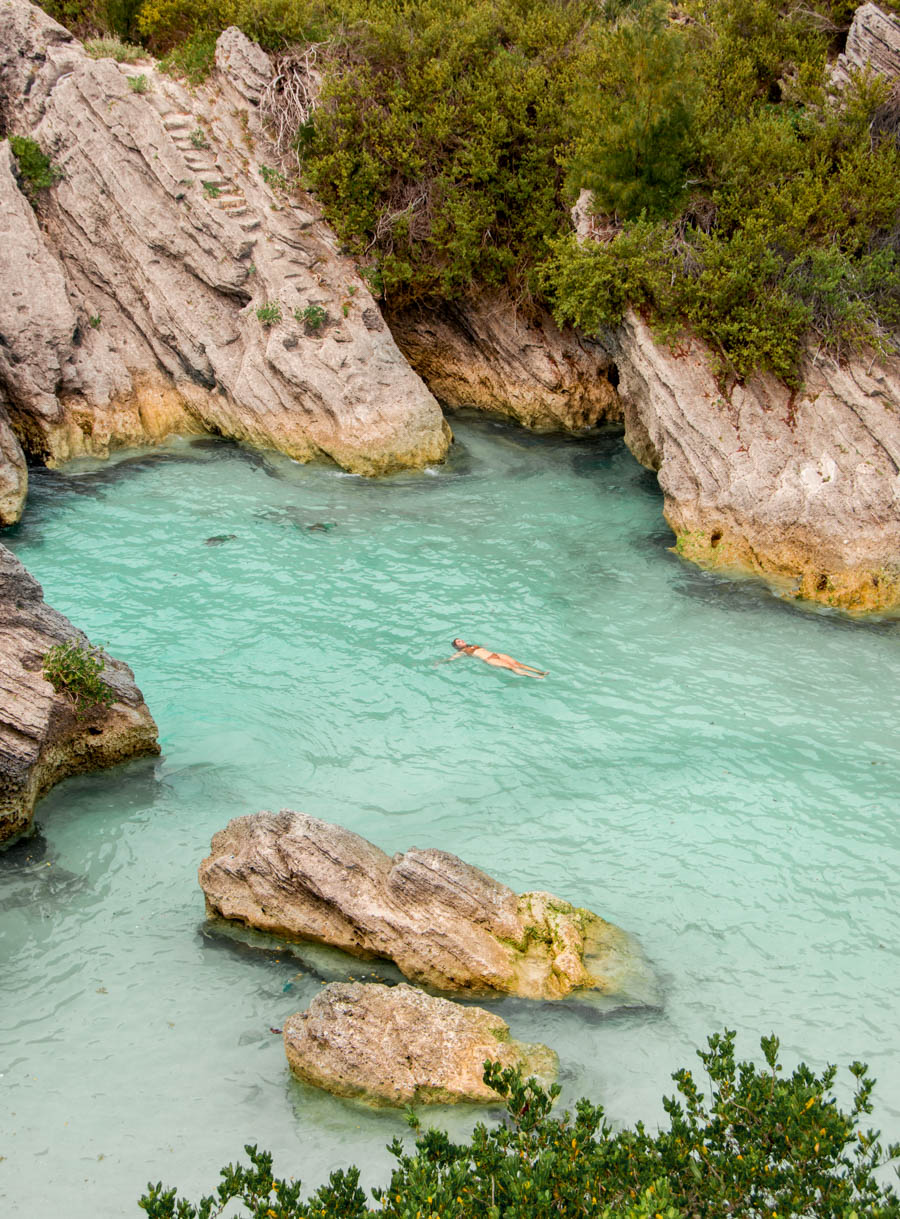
395,1045
488,355
162,284
801,487
873,43
443,922
42,740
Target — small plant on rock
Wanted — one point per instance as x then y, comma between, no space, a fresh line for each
273,177
35,169
74,669
269,314
113,48
198,138
211,190
139,84
313,317
95,321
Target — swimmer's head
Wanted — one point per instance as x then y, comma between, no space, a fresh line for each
459,644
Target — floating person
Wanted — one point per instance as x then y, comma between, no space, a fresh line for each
499,660
219,538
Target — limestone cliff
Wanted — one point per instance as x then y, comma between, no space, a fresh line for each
135,290
803,487
42,740
488,355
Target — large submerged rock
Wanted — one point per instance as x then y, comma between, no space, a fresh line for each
132,302
800,486
41,739
488,355
395,1045
443,922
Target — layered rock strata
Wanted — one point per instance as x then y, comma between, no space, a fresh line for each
395,1045
42,740
802,487
172,281
443,922
873,43
487,355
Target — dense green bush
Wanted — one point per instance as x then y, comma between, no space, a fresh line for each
762,1145
450,137
75,669
35,168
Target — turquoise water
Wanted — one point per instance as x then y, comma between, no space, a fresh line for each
706,766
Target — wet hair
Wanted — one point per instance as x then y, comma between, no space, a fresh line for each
459,644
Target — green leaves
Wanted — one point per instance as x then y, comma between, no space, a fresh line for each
75,669
762,1143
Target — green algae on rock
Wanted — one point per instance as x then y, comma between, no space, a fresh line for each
443,922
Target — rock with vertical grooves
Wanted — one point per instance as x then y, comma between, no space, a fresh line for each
443,922
801,487
873,43
13,473
141,273
488,355
395,1045
41,739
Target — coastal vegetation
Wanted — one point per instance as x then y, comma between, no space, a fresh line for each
763,1143
76,669
446,140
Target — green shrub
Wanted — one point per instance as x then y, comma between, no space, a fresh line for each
138,84
193,59
198,138
269,314
273,177
762,1144
212,190
114,48
35,169
74,669
449,137
312,316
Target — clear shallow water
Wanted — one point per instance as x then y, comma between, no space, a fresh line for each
708,767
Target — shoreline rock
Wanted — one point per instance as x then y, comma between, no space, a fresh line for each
41,739
486,355
801,488
396,1045
135,288
442,922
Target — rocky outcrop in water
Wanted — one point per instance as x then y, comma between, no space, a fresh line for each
395,1045
487,355
443,922
803,487
174,282
873,42
41,738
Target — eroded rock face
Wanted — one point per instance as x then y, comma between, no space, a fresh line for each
803,487
486,355
135,302
395,1045
41,740
873,42
443,922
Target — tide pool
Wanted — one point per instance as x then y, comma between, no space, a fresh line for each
707,766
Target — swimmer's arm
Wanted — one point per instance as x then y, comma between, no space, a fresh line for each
455,656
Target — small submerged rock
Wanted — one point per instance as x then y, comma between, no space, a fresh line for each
443,922
219,538
395,1045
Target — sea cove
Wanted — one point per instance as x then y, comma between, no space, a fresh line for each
707,765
